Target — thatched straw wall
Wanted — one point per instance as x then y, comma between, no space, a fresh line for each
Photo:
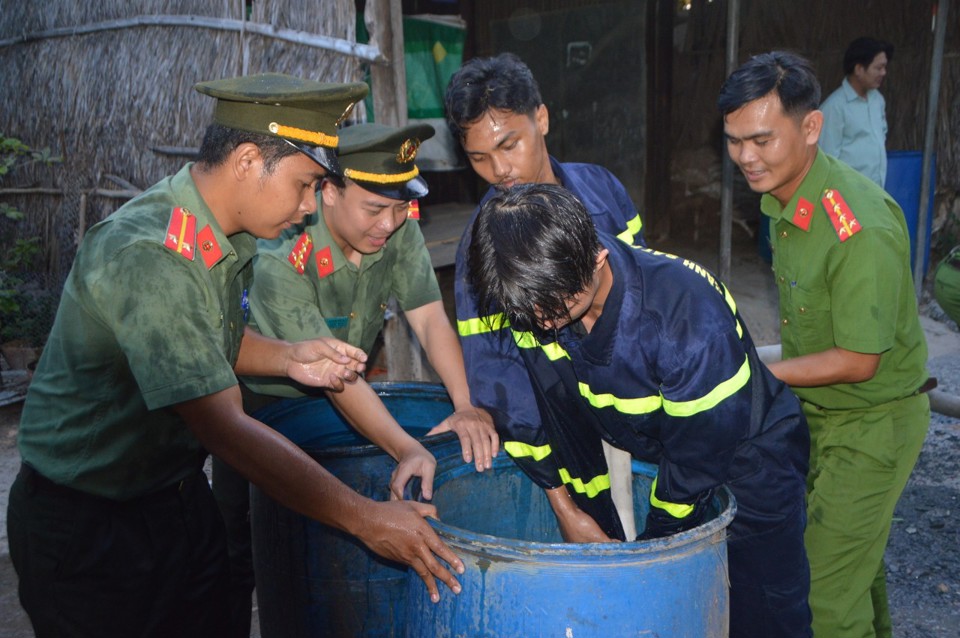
103,100
821,32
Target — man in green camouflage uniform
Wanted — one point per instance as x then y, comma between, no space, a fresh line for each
113,529
333,277
853,348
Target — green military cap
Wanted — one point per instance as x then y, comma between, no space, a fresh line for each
381,158
303,112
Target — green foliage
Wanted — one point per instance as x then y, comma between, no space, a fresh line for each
26,309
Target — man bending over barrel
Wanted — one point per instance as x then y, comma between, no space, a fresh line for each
647,351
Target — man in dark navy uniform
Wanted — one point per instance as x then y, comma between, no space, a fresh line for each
647,352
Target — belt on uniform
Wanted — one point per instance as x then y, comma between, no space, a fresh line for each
37,481
928,385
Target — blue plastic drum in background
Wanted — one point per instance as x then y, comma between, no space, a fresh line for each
904,174
313,580
521,580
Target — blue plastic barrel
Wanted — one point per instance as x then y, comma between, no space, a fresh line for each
313,580
904,174
521,580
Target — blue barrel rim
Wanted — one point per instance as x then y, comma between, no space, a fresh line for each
421,389
478,544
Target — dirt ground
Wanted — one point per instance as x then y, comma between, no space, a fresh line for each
923,555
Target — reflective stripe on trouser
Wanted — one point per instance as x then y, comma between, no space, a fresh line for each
860,461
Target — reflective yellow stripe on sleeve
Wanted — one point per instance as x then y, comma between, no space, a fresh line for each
591,488
676,510
480,325
639,405
517,450
726,389
553,351
633,228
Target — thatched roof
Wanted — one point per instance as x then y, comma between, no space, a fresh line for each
104,99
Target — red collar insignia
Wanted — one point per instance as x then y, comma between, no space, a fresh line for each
209,248
803,214
414,211
181,233
842,217
301,253
324,262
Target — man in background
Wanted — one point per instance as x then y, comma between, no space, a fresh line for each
855,115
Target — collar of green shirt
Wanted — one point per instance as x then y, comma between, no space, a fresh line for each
242,245
810,189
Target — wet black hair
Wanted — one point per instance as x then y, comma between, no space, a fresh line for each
534,246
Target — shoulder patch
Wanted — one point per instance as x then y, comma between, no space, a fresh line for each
181,233
324,262
414,211
840,214
802,214
301,253
209,248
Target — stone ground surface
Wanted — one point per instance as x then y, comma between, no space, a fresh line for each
924,550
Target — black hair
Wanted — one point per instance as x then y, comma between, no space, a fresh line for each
502,83
790,75
862,51
219,141
533,247
338,181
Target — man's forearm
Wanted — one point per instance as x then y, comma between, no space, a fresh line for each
828,367
361,406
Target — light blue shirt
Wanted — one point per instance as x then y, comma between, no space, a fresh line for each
855,130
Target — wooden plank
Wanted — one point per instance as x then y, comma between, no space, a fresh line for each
443,226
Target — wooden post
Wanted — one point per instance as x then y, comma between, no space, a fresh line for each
384,21
656,210
388,82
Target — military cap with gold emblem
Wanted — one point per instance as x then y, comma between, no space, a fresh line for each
305,113
381,158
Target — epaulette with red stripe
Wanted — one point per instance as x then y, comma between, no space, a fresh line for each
301,253
844,222
181,235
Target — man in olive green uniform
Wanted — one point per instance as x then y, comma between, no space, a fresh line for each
334,276
113,529
946,284
853,348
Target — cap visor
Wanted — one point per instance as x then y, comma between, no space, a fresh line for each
325,157
414,189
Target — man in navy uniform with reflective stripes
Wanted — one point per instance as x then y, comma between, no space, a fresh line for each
647,351
494,107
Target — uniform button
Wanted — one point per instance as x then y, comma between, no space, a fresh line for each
785,321
802,310
781,279
231,325
383,306
353,315
783,235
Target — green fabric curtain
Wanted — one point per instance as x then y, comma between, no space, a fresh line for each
433,51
